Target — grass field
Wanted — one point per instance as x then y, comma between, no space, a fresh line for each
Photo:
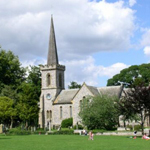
71,142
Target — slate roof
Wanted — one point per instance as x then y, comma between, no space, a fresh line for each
93,90
66,96
111,90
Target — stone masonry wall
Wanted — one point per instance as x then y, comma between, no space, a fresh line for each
84,91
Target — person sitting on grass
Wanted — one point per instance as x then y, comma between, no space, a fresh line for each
145,137
135,132
91,135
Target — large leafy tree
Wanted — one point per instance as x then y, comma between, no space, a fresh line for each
125,114
10,92
134,75
99,112
7,110
74,85
28,104
23,90
34,78
137,101
11,72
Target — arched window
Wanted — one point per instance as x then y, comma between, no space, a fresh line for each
61,111
80,104
60,80
70,111
50,114
48,79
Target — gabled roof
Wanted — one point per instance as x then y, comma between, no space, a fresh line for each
52,57
66,96
111,90
93,90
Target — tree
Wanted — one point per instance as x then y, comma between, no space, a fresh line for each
74,85
34,78
7,109
8,91
137,101
126,114
99,112
134,75
28,104
11,72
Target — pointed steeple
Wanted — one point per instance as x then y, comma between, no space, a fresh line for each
52,50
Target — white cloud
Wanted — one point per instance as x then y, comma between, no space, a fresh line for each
132,3
146,37
147,50
82,27
86,71
34,62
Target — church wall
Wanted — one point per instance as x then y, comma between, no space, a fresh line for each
84,91
56,113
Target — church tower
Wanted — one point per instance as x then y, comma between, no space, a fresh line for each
52,81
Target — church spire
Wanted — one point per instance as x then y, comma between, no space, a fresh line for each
52,50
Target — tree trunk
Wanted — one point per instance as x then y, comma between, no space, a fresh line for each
12,120
26,126
142,127
142,123
124,122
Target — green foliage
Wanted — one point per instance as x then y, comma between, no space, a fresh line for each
17,131
34,78
28,104
134,75
136,127
39,132
74,85
99,112
23,90
79,126
67,123
11,72
136,101
10,92
67,132
7,109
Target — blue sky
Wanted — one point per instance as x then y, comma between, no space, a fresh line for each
95,39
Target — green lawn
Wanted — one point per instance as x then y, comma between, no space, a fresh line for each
71,142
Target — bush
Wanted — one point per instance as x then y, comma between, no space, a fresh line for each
79,127
17,131
67,132
130,127
136,127
67,123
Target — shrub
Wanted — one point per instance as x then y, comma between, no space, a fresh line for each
79,126
17,131
67,132
39,132
137,127
130,127
67,123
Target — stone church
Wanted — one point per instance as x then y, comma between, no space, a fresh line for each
56,102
